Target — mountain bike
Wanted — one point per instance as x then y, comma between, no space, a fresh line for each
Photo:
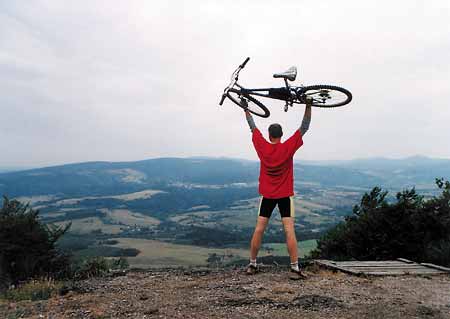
326,96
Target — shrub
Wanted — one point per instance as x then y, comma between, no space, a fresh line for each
411,228
97,267
92,267
108,251
27,246
40,289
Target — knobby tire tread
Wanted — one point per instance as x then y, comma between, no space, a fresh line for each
330,87
251,99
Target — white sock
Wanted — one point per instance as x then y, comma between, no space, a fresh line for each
253,262
294,266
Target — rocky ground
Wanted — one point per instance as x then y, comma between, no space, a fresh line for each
232,294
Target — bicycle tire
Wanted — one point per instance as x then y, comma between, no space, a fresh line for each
321,101
255,107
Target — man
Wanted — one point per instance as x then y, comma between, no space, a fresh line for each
276,185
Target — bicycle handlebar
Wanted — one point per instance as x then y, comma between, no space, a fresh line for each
222,99
234,79
245,62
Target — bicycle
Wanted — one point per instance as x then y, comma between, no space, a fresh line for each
327,96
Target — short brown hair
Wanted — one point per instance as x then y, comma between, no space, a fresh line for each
275,130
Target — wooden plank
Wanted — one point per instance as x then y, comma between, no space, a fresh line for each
384,265
405,260
393,269
388,267
376,265
436,267
396,273
387,262
332,265
397,269
383,268
371,261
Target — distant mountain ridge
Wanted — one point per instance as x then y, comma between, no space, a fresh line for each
7,169
383,162
99,178
407,172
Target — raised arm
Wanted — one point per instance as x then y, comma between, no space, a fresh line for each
250,121
306,119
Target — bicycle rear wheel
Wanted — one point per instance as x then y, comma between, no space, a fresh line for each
327,96
248,102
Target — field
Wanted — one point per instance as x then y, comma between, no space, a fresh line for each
145,194
160,254
244,214
91,224
188,224
156,254
129,218
278,249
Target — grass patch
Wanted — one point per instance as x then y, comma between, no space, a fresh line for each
107,251
87,225
129,218
155,254
279,249
98,267
41,289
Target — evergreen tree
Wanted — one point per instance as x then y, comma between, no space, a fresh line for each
27,246
411,228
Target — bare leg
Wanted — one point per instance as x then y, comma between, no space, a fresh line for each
257,236
291,240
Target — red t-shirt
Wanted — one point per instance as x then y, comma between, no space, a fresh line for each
276,175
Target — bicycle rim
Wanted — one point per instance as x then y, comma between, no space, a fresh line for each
326,96
248,102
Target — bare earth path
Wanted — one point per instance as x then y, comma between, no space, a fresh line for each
231,294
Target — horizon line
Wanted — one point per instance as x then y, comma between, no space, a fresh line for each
13,168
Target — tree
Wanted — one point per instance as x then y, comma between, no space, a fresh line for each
27,246
411,228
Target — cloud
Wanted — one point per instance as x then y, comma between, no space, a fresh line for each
88,80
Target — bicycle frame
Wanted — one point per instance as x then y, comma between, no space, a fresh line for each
319,95
290,99
292,90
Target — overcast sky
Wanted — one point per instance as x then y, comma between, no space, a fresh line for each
130,80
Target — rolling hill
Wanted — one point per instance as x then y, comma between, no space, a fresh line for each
100,178
206,202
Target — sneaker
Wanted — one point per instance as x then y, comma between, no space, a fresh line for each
297,275
251,270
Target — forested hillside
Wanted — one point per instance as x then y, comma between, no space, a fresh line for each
118,207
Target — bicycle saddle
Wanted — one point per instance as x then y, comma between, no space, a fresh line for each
290,74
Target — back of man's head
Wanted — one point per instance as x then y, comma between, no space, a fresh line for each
275,130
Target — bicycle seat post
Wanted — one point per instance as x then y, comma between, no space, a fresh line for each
290,101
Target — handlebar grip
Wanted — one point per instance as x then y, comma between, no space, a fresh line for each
222,99
245,62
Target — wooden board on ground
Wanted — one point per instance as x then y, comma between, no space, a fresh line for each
384,268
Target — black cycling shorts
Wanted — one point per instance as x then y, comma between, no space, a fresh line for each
285,206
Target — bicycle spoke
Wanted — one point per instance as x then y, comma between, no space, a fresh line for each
325,96
312,93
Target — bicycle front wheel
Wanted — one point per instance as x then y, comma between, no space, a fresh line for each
325,95
248,102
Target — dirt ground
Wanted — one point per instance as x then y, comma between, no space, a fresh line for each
232,294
